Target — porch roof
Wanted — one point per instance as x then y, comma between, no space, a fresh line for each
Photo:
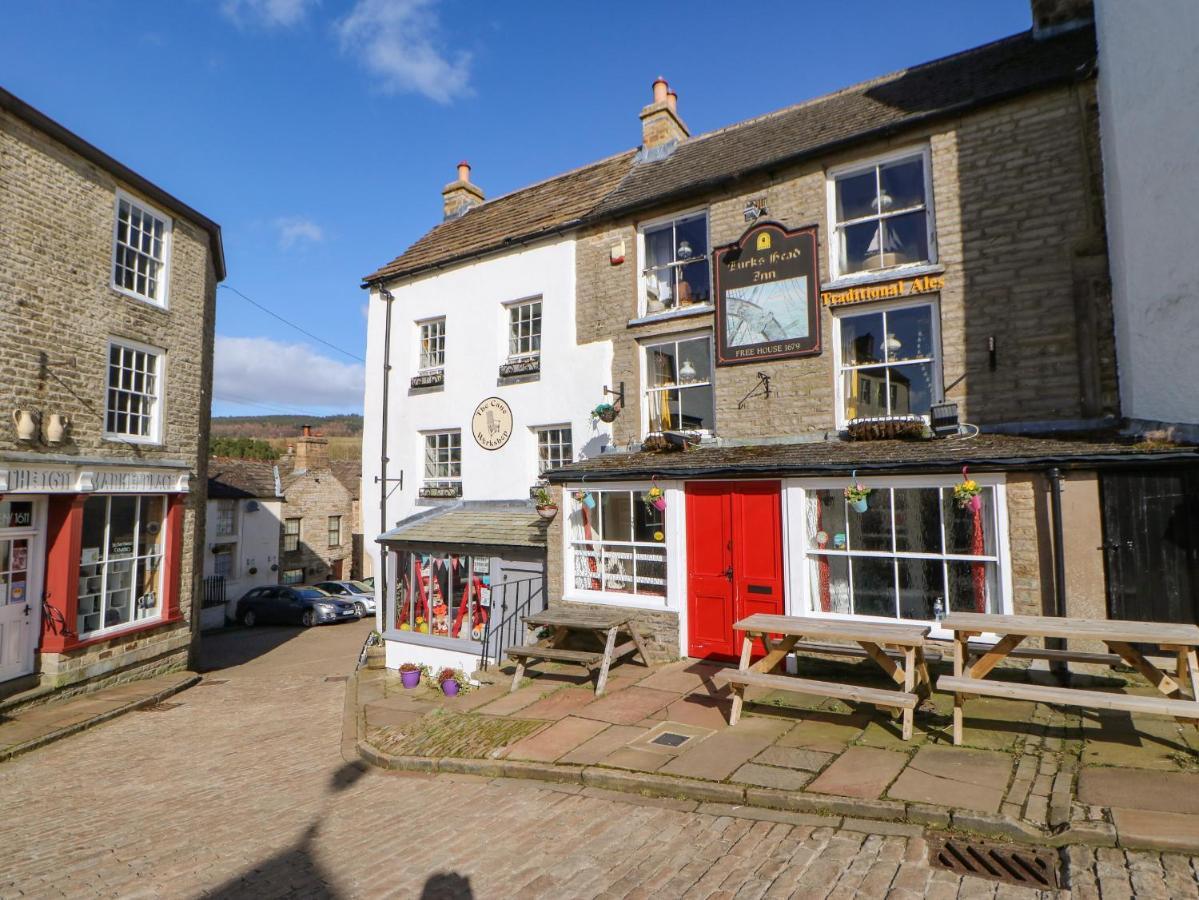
984,452
477,525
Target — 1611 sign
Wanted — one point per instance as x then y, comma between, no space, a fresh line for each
767,294
16,514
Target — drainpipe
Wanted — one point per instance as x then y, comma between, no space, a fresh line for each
1058,667
381,577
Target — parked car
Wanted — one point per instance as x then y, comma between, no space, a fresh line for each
356,592
292,605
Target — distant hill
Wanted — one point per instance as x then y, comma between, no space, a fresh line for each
285,426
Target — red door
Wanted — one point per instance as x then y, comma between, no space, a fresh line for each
734,560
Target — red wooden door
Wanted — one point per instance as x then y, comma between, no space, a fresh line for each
734,560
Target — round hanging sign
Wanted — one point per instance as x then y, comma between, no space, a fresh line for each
492,423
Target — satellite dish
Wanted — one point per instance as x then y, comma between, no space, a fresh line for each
252,506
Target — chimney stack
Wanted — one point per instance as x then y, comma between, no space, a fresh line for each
461,195
311,451
1050,17
660,122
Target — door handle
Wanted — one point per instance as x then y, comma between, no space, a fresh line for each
728,573
27,610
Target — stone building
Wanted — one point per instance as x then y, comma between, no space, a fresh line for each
320,519
107,304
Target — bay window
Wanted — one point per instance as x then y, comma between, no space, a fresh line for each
678,377
881,214
442,595
120,566
887,362
915,553
675,273
618,542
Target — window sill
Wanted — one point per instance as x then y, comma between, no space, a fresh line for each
101,637
626,601
458,645
859,278
132,295
131,439
685,312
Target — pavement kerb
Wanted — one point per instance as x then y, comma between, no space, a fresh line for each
59,733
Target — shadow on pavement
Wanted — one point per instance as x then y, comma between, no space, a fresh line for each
236,645
447,886
289,872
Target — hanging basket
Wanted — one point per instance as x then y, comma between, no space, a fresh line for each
887,428
860,505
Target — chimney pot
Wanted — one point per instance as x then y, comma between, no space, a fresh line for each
307,430
660,89
660,122
460,195
464,171
672,99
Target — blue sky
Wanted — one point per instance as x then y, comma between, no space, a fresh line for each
319,132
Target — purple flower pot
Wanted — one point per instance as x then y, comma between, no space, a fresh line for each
410,679
976,503
450,688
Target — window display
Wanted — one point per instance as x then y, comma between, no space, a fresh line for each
443,595
120,566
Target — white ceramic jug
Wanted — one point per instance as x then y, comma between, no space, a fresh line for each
57,428
26,428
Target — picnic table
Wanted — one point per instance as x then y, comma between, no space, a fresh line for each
604,625
969,673
875,638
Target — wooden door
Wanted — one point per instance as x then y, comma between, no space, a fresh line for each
1151,544
734,561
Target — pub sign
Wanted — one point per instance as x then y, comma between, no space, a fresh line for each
767,296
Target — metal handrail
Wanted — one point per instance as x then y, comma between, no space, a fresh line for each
516,599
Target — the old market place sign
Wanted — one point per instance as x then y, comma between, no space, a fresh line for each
492,423
766,296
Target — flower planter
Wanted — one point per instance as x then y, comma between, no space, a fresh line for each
976,503
449,687
411,679
547,512
858,506
659,503
605,413
376,657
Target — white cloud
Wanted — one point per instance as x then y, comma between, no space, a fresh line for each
268,13
294,229
282,375
397,41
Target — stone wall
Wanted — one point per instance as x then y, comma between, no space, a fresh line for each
312,496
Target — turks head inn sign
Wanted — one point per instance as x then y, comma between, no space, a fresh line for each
767,296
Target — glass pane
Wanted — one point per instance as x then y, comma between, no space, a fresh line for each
662,365
911,388
917,520
903,184
865,392
862,339
616,516
659,278
871,530
150,538
664,412
873,586
147,586
94,509
921,588
968,532
693,283
651,571
825,510
905,239
118,602
696,412
695,361
649,522
972,587
859,247
856,195
618,569
691,238
910,333
122,518
659,250
829,583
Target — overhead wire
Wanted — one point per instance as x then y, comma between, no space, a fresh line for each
291,324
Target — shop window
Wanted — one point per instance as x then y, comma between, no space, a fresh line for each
133,409
141,247
291,535
882,215
222,560
292,576
554,448
443,458
443,595
432,345
618,542
226,517
334,531
678,394
120,566
887,361
676,271
524,329
14,569
914,553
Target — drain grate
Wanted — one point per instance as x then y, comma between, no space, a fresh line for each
336,678
670,739
160,707
1009,863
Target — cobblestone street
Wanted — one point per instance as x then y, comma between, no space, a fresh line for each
241,789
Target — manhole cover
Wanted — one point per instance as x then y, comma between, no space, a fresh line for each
160,707
210,682
336,678
670,739
1010,863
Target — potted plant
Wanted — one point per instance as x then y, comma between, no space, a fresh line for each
586,498
605,412
546,507
410,674
451,681
857,493
968,495
656,498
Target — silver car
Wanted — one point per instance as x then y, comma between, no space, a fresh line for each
354,592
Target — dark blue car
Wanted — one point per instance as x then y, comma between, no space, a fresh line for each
292,605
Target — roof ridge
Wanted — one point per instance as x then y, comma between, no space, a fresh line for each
528,187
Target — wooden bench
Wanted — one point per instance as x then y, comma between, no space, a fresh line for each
563,622
555,654
897,649
1186,710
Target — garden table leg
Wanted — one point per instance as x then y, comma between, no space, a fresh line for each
602,681
960,641
1156,676
747,646
909,684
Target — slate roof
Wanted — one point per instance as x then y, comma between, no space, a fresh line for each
872,109
985,452
349,473
237,479
479,524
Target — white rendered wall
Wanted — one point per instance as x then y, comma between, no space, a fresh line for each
257,541
472,298
1149,126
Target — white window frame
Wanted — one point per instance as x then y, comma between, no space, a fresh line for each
426,479
644,347
156,419
420,344
801,602
105,563
330,523
834,249
643,267
858,309
167,233
514,339
296,534
225,509
538,431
